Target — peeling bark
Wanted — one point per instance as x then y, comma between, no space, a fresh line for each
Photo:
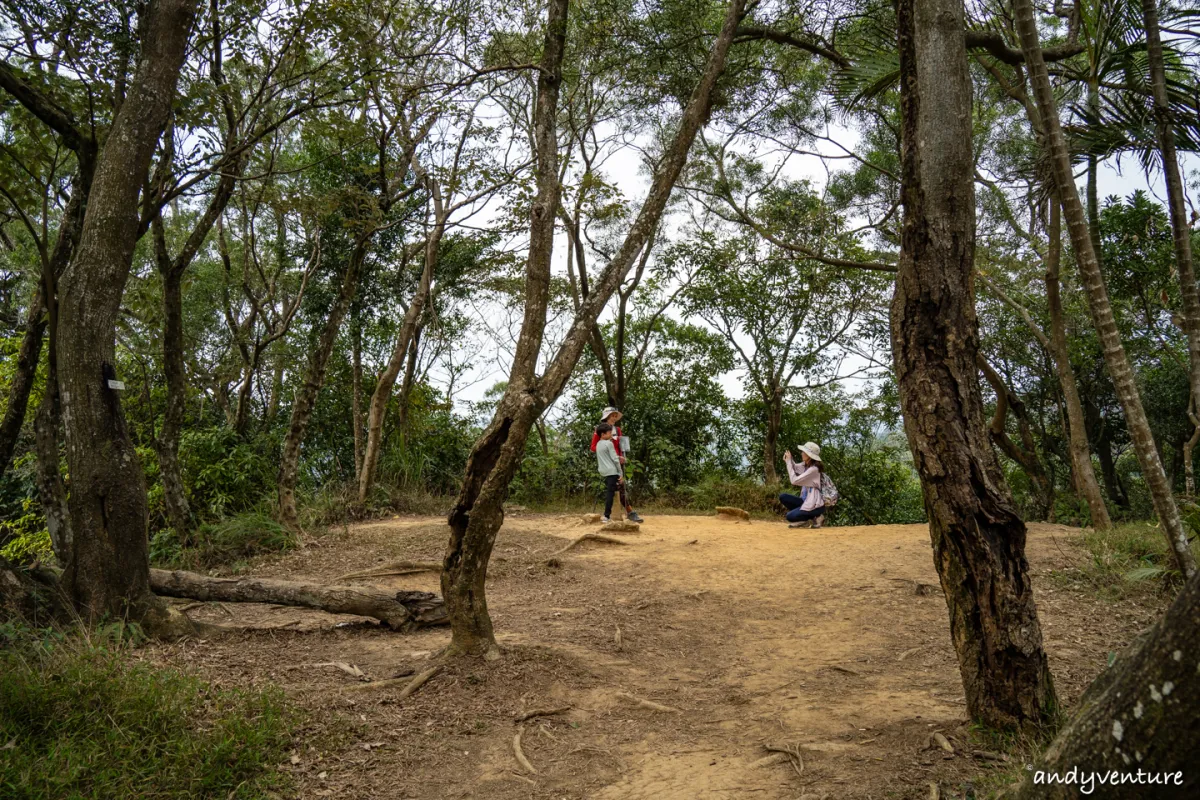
978,537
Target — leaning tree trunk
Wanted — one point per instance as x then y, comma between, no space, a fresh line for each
978,537
109,570
1081,454
1115,359
314,379
478,514
1175,202
1140,717
387,379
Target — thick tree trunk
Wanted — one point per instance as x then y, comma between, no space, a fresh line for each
108,574
402,611
1081,453
1139,718
52,492
978,537
1115,359
478,514
387,380
314,379
179,513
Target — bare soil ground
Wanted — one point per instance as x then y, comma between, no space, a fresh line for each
834,642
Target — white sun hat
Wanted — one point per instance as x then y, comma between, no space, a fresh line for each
813,449
608,412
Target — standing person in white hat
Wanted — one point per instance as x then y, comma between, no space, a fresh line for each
612,416
809,508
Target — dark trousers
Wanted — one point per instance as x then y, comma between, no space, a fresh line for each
611,485
792,503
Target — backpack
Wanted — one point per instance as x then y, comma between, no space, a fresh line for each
829,492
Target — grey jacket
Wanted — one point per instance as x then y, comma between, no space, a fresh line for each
606,458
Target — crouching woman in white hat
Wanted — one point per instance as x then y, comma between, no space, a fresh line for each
809,508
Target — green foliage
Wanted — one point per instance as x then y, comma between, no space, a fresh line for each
223,473
24,538
86,718
223,541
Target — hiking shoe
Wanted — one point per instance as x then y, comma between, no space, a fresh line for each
633,516
605,520
804,523
819,522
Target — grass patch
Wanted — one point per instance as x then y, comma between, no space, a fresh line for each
1129,559
81,717
1022,747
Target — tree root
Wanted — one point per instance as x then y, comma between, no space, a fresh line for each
594,537
395,568
792,751
520,754
650,704
541,712
411,684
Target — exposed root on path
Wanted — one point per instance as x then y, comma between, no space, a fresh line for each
520,754
593,537
394,568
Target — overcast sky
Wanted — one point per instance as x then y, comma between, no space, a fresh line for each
1115,178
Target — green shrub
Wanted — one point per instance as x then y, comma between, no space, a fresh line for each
223,473
83,718
224,541
25,538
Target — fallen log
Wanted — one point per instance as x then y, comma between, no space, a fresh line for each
402,611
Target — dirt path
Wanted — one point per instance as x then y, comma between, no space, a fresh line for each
823,640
